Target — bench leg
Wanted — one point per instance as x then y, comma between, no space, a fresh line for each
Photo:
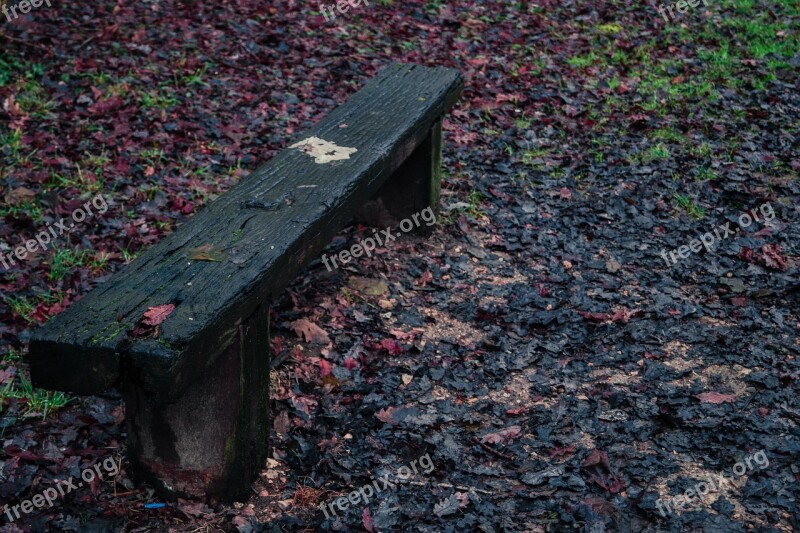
415,185
213,441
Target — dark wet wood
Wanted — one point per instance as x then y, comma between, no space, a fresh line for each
212,441
269,227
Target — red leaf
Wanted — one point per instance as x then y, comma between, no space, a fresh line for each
610,483
391,346
542,289
596,458
599,317
622,315
325,368
716,397
385,415
366,519
156,315
6,375
560,452
277,345
44,311
106,106
772,257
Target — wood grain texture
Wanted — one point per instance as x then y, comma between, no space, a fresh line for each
212,441
269,226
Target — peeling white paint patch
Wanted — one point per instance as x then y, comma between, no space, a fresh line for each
323,151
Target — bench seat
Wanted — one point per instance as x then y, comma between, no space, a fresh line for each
208,364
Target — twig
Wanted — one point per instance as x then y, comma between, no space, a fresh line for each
492,450
466,489
87,41
26,43
448,486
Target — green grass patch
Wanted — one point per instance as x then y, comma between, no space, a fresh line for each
669,134
659,151
583,61
706,174
609,29
26,209
38,402
22,307
690,206
157,100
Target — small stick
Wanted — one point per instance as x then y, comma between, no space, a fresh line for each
26,43
491,450
449,486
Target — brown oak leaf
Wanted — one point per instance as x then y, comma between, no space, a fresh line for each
156,315
310,332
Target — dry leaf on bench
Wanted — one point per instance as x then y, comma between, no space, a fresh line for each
207,252
156,315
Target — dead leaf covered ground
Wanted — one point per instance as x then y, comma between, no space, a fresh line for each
560,370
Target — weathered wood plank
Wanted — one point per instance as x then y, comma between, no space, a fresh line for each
270,226
213,440
416,184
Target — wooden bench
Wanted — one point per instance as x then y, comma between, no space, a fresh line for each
196,389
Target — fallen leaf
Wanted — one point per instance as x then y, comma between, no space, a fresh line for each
391,346
596,458
325,368
156,315
501,436
715,397
451,504
196,509
366,519
12,107
772,257
6,375
310,332
385,415
19,195
207,252
370,287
